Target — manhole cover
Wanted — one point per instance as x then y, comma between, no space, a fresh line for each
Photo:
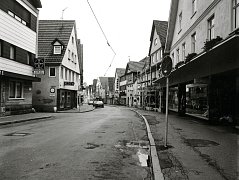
200,142
18,134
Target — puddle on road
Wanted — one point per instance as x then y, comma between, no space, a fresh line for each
142,152
143,157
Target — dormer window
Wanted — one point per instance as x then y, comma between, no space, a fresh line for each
57,47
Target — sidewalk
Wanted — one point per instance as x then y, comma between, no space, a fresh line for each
196,150
39,115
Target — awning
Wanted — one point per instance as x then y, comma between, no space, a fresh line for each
223,57
19,76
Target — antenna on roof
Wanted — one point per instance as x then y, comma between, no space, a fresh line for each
62,13
129,58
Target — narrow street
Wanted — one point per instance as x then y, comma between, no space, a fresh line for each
90,145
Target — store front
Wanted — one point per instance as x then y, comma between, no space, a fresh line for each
208,86
66,99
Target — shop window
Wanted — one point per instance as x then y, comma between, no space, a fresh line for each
15,89
211,28
235,7
52,72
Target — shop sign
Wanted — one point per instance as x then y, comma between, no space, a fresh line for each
66,83
52,91
39,66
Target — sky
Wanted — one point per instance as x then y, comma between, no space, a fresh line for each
126,24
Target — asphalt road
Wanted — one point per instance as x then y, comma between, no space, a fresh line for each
75,146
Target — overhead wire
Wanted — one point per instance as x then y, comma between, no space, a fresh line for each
104,36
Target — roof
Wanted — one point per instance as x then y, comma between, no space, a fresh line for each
134,66
171,24
49,30
120,71
161,29
35,3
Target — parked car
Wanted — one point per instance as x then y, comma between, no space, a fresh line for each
98,103
91,102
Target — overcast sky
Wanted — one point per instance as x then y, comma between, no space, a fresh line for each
126,23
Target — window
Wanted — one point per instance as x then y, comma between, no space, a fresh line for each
75,59
57,50
155,41
15,89
235,7
193,40
73,76
62,70
28,57
72,57
1,45
172,56
69,75
66,74
52,72
11,13
211,28
180,16
69,54
12,52
177,55
194,7
183,51
72,40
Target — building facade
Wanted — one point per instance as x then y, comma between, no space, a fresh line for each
156,54
59,86
202,40
118,73
18,48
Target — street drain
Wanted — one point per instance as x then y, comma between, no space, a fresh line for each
17,134
200,143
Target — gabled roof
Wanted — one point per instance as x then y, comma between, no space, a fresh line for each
134,66
120,71
161,29
49,30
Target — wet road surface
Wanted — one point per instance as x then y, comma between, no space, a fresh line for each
92,145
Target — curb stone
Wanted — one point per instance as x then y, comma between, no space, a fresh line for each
23,120
157,172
